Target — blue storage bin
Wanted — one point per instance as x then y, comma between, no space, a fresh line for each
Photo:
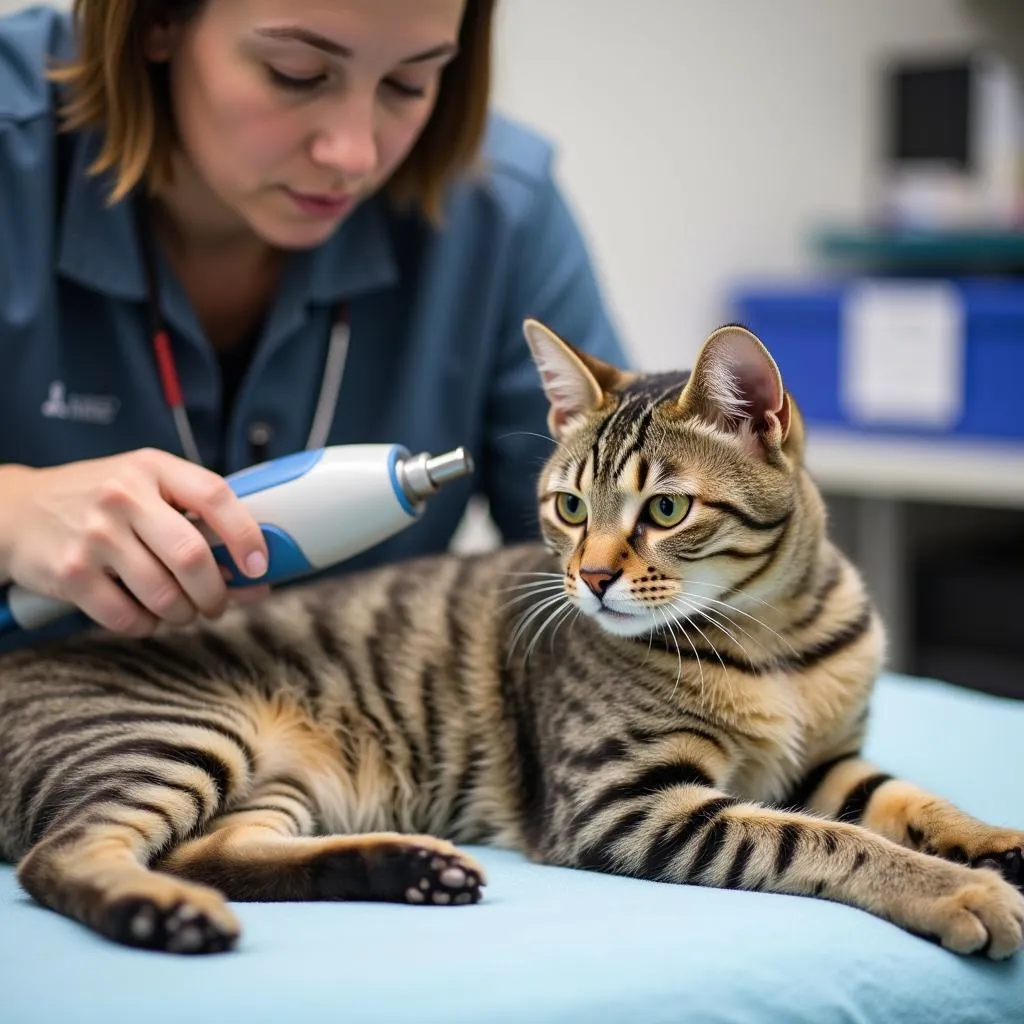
802,326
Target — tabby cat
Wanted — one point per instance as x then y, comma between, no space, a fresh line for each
673,685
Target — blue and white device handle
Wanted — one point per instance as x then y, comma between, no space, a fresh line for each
315,509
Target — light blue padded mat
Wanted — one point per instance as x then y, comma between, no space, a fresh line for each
551,945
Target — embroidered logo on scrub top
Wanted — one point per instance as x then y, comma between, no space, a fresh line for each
59,405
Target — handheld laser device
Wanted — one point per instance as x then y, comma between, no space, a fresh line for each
315,508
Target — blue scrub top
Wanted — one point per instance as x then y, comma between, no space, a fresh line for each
436,358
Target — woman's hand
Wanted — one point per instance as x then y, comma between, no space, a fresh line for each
69,532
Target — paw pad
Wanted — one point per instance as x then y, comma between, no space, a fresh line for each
180,928
444,879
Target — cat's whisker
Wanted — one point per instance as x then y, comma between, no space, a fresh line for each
555,616
717,586
524,609
544,591
528,616
727,604
516,600
718,624
572,622
650,641
691,608
556,575
533,433
726,678
679,654
540,632
532,583
537,585
700,665
541,599
699,600
568,610
534,579
740,611
662,629
714,650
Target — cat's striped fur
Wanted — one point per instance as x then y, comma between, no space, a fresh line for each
679,701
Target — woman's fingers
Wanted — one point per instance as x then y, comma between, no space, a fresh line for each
110,536
109,605
189,563
211,498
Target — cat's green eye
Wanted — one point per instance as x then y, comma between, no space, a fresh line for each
571,508
668,510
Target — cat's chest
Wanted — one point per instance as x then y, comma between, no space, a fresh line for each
779,727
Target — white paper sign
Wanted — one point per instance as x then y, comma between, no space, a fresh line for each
902,357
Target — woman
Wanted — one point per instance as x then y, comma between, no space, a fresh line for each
307,204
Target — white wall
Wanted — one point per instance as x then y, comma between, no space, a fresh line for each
701,139
15,5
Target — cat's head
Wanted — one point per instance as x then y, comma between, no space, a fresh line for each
668,492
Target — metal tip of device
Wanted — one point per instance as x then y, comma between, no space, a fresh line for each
423,475
450,466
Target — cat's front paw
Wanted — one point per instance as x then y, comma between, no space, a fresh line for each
172,918
397,867
1008,860
977,913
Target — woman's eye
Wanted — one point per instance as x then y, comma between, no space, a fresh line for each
296,83
571,508
406,90
667,510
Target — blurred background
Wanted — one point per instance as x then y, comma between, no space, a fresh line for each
846,177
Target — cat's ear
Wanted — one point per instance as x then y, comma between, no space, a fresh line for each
575,382
736,385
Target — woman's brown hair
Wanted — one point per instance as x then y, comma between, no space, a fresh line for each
113,88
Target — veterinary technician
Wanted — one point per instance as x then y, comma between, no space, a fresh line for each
269,225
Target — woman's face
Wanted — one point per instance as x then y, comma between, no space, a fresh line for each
292,111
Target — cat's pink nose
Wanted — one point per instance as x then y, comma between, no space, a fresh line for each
599,580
